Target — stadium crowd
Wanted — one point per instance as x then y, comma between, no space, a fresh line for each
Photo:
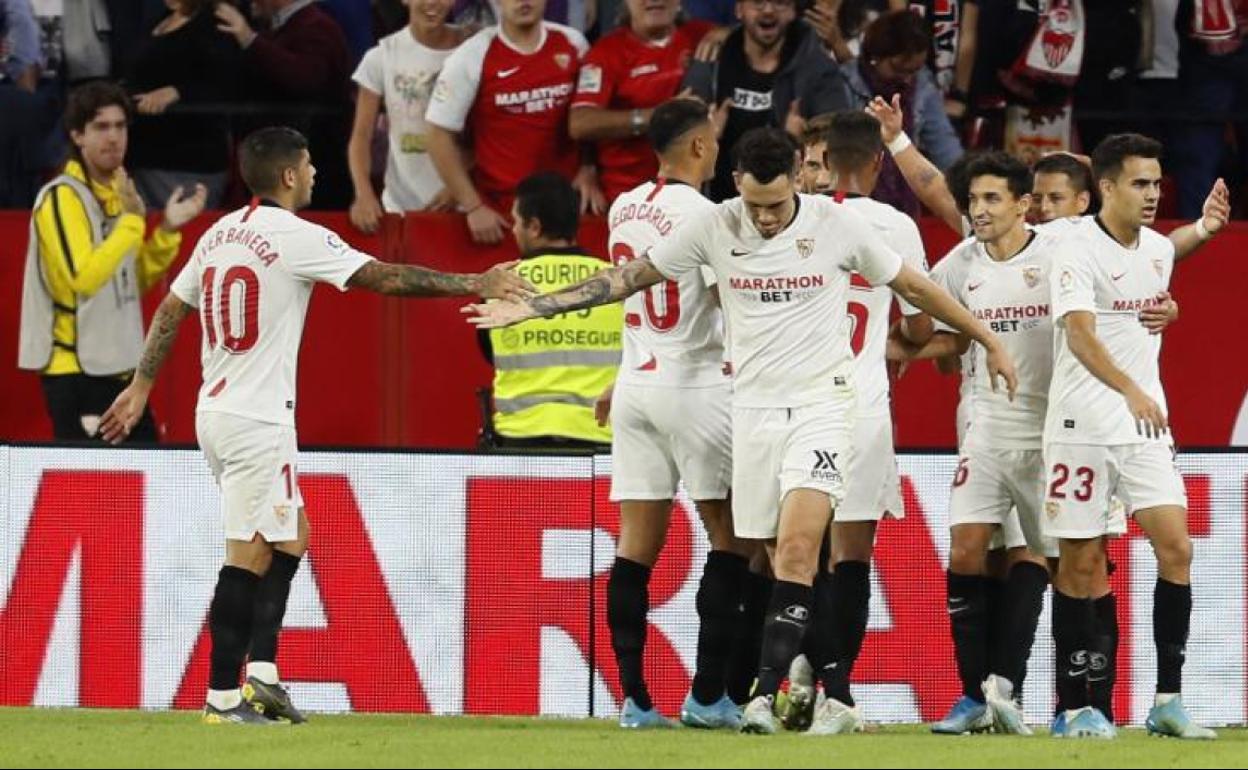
417,105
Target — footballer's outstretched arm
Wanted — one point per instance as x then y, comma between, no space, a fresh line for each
941,344
499,282
603,288
160,337
925,294
125,411
1213,217
924,178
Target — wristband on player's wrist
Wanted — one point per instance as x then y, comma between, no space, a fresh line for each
899,144
1202,232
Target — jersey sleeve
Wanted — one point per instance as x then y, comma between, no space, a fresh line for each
949,274
315,253
1071,282
685,251
575,37
371,72
456,88
910,246
868,254
597,80
186,286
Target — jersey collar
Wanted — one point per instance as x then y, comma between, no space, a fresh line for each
541,41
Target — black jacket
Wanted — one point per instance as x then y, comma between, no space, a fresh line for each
808,73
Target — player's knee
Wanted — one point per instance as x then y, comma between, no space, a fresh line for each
720,534
1174,553
1083,565
852,551
796,559
256,561
852,541
966,559
641,539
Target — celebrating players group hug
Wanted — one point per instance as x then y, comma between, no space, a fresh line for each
756,368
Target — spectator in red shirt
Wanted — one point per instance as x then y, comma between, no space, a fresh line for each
626,75
508,88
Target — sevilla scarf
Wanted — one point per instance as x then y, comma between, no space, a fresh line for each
1055,53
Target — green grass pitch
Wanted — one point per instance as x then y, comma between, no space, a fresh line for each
89,738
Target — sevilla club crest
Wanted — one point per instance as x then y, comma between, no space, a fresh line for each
1059,33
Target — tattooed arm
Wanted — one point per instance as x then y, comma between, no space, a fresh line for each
160,337
924,178
603,288
928,184
415,281
116,423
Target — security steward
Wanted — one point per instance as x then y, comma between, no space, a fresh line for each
548,372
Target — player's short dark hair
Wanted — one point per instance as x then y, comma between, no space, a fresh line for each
553,202
853,140
1005,166
900,33
673,119
958,182
1113,151
85,102
1078,173
266,153
765,153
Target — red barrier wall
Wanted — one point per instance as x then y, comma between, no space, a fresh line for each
378,371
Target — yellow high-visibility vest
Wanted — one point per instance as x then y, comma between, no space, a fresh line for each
548,372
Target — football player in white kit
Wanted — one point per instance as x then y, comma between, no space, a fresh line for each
671,415
783,263
250,278
1062,188
1107,432
841,156
1001,276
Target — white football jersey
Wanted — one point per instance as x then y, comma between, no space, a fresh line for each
784,298
966,394
1012,299
869,306
1093,272
251,276
673,332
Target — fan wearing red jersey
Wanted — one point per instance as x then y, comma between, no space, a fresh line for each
508,88
627,74
250,278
